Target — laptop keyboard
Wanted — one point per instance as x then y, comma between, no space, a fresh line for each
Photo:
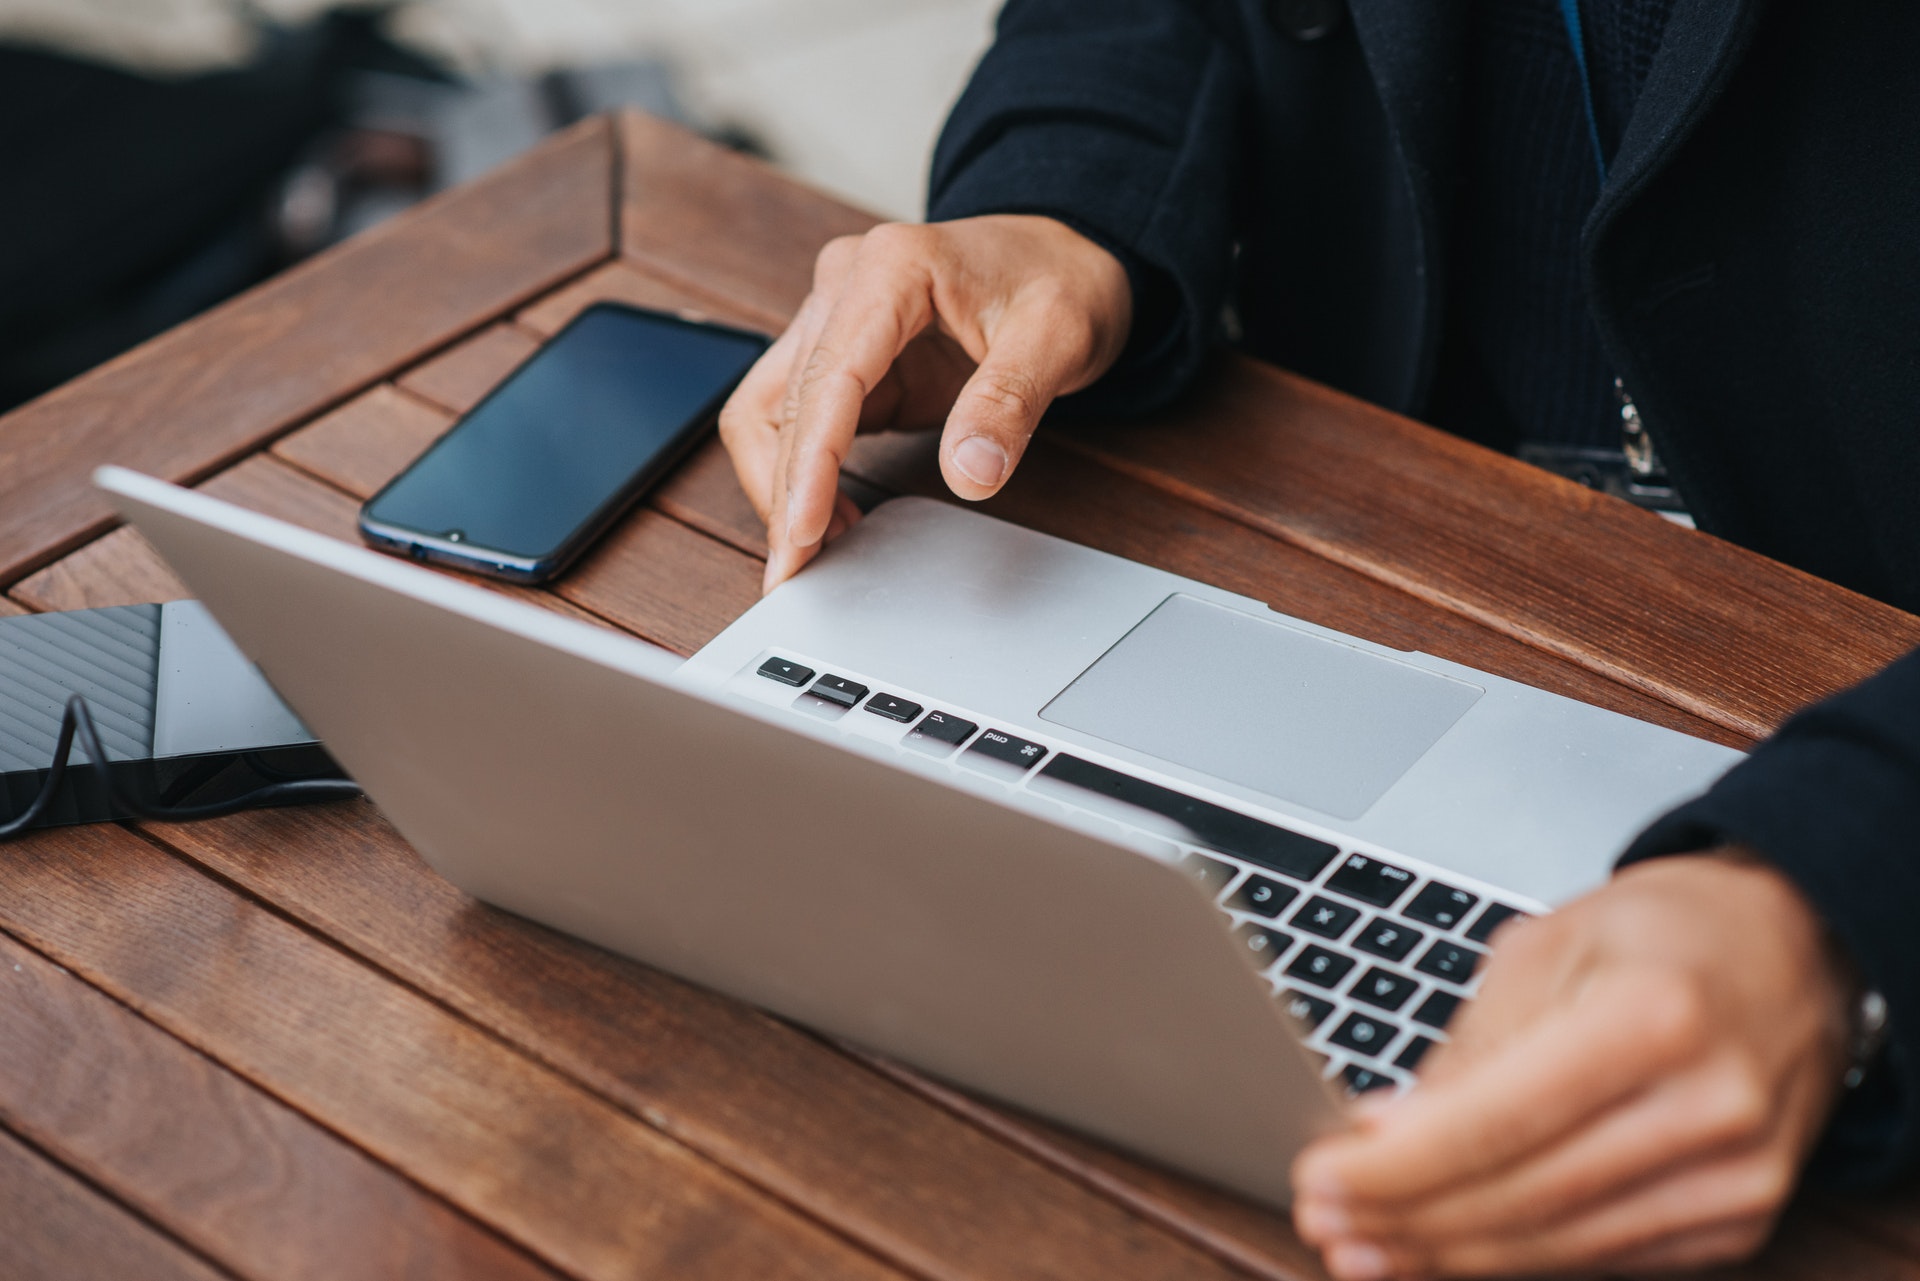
1371,958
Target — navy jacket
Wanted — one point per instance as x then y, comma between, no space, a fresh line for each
1753,266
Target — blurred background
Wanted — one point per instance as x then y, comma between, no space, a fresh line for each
157,156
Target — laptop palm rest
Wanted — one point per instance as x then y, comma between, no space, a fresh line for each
1267,706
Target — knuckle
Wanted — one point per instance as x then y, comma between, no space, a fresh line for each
833,260
1740,1109
1012,395
1765,1183
1674,1015
897,243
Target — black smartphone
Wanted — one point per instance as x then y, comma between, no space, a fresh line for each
523,483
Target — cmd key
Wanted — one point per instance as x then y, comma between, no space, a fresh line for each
1370,880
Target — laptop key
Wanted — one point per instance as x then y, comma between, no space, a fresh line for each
1003,749
1309,1009
1265,946
1440,905
1416,1050
1370,880
1384,988
938,733
838,689
1360,1080
1326,918
1496,915
1263,897
894,708
1364,1034
1320,967
1437,1010
786,671
1210,872
1450,961
1390,939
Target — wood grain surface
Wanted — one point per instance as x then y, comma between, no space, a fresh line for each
223,1167
1709,627
724,226
553,1166
228,1048
57,1228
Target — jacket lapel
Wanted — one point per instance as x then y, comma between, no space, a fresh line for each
1414,50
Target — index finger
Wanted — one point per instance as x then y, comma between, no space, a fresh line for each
886,301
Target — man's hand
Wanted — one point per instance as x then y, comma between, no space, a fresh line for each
1634,1090
978,323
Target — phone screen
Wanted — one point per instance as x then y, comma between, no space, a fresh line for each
566,442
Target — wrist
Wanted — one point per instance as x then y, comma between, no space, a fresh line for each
1857,1012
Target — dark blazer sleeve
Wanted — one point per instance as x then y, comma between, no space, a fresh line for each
1833,800
1121,118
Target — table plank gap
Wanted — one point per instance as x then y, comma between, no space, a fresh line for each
211,1161
458,378
77,1229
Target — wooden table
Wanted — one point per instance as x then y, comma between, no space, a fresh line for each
278,1046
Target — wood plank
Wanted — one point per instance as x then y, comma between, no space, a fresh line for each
119,568
642,287
57,1229
577,1181
458,377
122,568
205,393
703,492
236,1175
1709,627
1251,1237
726,226
765,1099
366,442
1065,493
661,580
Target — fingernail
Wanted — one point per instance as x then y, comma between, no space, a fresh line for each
1358,1261
1322,1219
980,460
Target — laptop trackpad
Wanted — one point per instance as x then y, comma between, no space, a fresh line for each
1263,705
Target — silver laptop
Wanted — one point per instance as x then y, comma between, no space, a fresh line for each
1108,844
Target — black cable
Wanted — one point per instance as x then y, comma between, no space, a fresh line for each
78,721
